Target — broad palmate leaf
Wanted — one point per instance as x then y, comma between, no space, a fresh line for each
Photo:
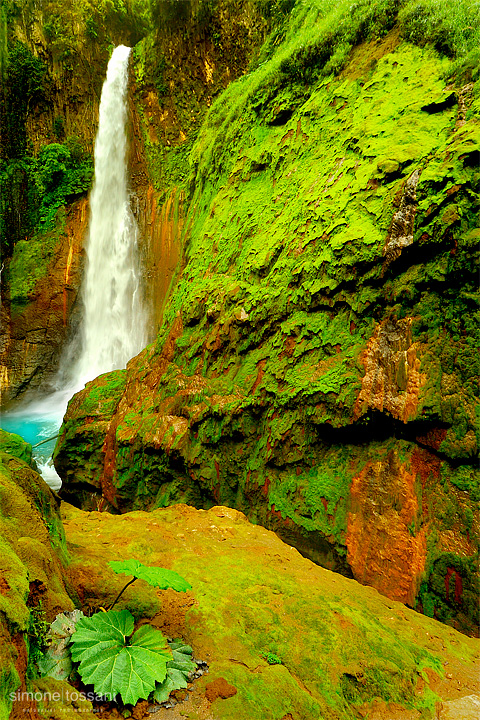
56,661
115,665
178,669
158,577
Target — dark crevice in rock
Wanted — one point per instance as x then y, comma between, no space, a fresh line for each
436,107
417,254
471,159
313,546
282,117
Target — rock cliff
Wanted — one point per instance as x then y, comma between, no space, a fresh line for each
280,637
317,364
312,246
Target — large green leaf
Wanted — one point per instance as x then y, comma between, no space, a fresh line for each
114,665
57,661
178,670
158,577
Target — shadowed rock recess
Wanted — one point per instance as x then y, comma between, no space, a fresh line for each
317,367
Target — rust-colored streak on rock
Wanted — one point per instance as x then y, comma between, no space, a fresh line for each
433,438
260,373
160,227
458,585
109,465
67,276
382,547
392,379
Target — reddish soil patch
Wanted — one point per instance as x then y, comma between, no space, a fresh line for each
219,688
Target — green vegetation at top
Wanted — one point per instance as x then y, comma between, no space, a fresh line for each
316,42
65,24
203,15
61,173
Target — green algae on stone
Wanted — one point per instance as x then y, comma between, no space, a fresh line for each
15,445
32,551
342,644
256,392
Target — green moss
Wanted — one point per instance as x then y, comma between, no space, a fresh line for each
104,393
30,262
293,187
9,682
464,478
16,446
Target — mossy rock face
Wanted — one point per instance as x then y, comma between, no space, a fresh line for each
15,445
344,650
33,554
317,368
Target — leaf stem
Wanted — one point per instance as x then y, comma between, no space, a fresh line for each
121,593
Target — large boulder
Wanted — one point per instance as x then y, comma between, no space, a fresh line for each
283,638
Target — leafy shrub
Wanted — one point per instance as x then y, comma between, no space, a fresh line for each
115,663
111,656
64,171
26,73
53,161
271,658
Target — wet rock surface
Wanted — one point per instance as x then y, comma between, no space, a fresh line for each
298,376
343,647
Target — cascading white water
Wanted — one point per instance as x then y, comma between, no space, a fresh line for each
114,322
113,327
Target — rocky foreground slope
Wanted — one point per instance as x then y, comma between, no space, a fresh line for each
283,638
318,364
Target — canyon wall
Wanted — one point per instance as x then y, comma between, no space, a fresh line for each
311,254
55,63
317,367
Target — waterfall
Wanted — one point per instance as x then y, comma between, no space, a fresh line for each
113,327
114,320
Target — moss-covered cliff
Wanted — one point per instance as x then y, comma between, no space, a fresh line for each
355,654
311,242
318,361
33,555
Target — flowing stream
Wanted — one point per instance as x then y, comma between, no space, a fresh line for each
114,321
